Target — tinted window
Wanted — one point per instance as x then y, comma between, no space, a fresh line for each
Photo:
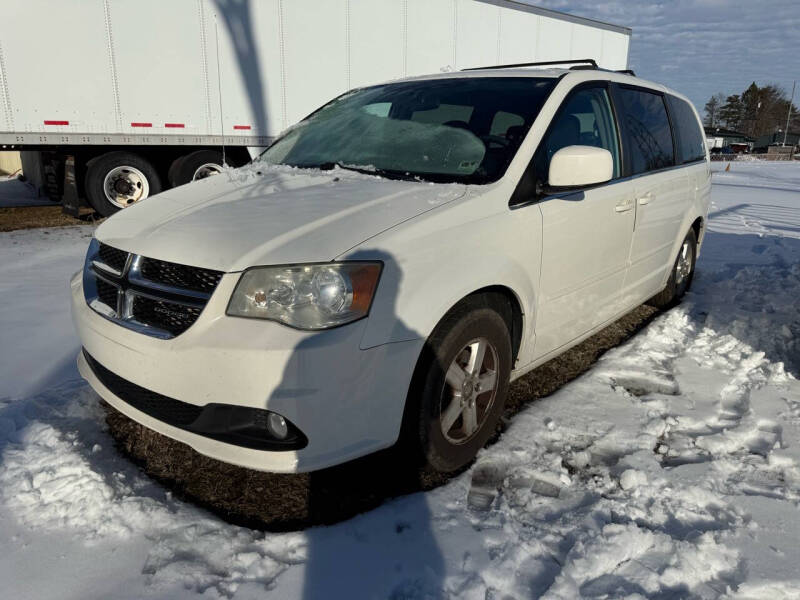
464,130
647,127
585,119
691,145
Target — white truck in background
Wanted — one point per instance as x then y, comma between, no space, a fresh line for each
115,100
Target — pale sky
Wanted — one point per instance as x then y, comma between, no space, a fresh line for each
701,47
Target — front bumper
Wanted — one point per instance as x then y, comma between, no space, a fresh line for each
347,402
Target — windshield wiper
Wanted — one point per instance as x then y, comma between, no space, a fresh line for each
387,173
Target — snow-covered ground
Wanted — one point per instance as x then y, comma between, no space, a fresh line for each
669,470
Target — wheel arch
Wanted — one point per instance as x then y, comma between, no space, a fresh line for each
508,305
698,225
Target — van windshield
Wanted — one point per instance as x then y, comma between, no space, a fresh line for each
447,130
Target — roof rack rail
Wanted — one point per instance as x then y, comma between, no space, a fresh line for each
595,68
589,62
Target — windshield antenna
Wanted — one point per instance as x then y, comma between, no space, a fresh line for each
219,92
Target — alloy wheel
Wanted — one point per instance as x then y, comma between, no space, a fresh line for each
469,392
683,268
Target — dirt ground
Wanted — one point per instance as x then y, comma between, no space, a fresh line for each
29,217
286,502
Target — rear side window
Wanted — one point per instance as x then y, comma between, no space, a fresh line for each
691,145
647,127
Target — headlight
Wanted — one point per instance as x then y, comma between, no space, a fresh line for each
315,296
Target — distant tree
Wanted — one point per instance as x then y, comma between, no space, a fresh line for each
712,110
730,113
754,112
750,108
774,110
764,109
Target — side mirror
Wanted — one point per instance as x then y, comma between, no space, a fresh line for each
579,166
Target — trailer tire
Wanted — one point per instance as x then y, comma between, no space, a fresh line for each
174,169
197,165
119,179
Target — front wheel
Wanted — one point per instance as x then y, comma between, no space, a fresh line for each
680,279
460,386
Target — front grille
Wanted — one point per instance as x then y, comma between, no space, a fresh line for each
107,293
181,276
112,257
169,316
159,298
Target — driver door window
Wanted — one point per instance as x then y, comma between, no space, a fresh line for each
585,120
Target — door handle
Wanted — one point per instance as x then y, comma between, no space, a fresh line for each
624,206
645,199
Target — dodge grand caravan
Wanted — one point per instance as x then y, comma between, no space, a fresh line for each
391,263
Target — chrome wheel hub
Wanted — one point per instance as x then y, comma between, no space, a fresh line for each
125,185
206,170
684,267
469,392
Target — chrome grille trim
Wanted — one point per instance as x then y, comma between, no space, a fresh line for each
130,285
135,277
107,268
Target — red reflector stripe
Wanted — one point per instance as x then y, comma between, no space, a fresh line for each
141,124
174,125
56,122
241,126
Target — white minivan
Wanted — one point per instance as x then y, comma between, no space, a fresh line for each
392,262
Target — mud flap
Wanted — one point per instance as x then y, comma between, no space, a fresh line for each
70,201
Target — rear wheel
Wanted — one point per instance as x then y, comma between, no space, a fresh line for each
119,179
680,279
460,386
172,173
197,165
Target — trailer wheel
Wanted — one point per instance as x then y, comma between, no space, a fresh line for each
197,165
119,179
174,169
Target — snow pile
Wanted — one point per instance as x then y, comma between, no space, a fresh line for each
60,472
671,469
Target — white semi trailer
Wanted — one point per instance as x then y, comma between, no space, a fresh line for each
134,96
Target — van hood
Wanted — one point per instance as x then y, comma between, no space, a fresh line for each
269,215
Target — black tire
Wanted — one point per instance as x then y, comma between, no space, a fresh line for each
172,173
429,395
189,164
678,284
99,167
